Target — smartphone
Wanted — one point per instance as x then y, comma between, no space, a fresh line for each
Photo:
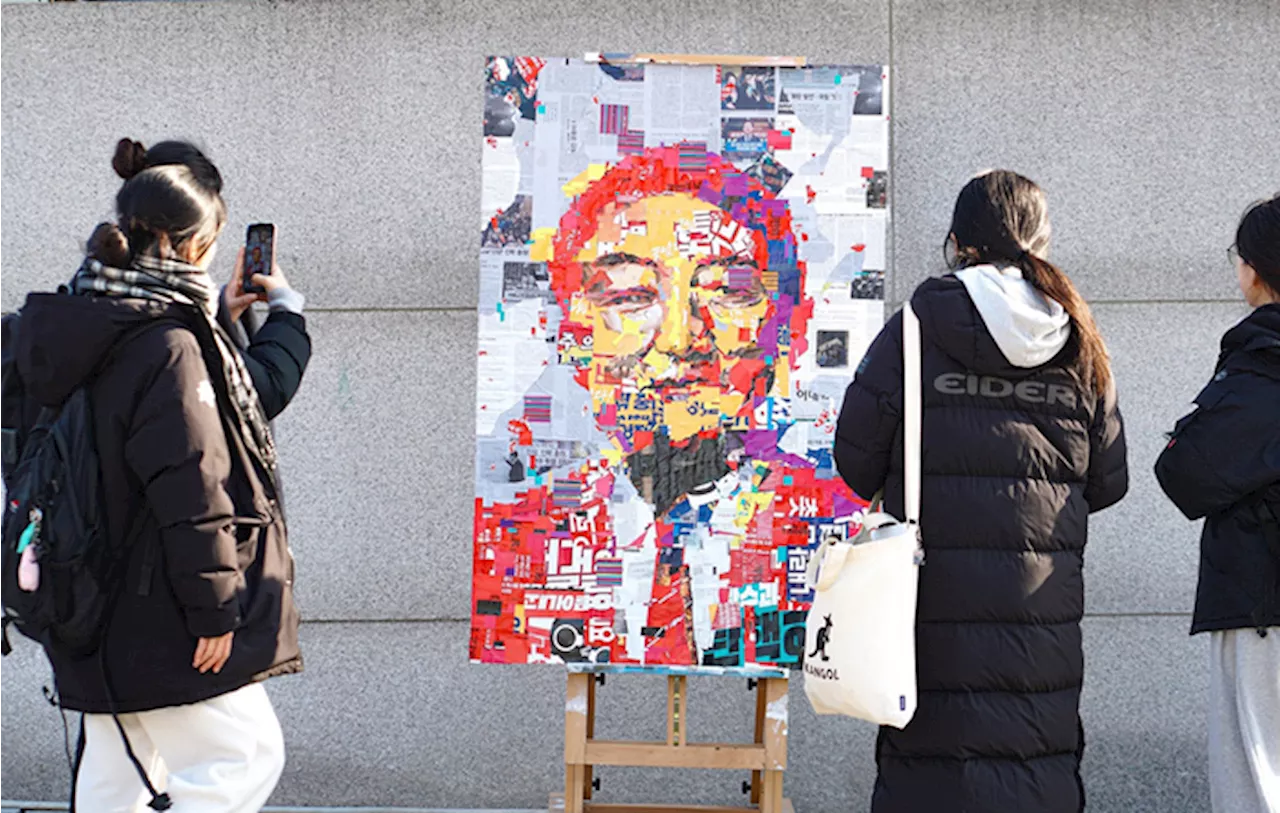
259,253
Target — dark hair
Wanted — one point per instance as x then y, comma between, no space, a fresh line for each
171,199
1258,240
182,152
1002,217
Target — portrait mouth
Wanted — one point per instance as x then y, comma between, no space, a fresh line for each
702,369
683,374
682,384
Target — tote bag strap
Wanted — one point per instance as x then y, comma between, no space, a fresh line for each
912,406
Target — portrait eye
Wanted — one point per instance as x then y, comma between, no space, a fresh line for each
738,299
631,299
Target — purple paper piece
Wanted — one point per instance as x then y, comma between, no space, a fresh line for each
775,455
735,184
768,340
761,443
843,506
793,460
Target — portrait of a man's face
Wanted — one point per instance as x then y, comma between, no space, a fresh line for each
655,396
688,308
671,316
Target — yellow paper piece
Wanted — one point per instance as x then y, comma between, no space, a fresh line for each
542,249
578,185
687,417
749,503
613,453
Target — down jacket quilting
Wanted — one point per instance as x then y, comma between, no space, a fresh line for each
212,555
1223,463
1014,460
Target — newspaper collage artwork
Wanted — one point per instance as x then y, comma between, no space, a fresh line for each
681,265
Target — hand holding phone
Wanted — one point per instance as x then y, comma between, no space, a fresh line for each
234,297
259,254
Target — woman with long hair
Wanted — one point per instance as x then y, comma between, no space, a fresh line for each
1022,440
1222,463
174,712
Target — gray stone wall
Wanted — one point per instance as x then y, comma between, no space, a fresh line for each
353,125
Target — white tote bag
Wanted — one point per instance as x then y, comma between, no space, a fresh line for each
860,648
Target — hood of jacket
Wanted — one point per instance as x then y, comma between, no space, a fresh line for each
63,339
1254,343
992,321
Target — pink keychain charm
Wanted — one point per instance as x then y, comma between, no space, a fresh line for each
29,565
29,570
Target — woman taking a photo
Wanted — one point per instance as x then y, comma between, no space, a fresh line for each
1223,463
174,711
1022,440
275,352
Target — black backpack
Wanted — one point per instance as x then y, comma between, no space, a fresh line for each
54,509
53,491
53,517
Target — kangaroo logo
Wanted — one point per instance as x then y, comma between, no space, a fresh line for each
824,637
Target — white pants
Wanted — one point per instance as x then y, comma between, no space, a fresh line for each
223,755
1244,721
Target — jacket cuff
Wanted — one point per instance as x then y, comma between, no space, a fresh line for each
211,623
286,299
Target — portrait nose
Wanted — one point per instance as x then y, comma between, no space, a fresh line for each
678,330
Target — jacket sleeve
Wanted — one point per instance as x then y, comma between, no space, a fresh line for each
177,449
276,358
1222,452
1108,455
871,414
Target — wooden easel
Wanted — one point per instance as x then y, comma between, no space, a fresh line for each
766,758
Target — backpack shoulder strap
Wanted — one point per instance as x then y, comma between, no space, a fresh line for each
13,393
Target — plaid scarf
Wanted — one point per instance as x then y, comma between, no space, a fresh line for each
178,283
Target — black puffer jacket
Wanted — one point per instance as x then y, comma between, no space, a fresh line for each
275,353
1223,463
1013,462
215,543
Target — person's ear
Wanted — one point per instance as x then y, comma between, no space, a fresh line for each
201,256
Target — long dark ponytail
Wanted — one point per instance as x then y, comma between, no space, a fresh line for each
1002,217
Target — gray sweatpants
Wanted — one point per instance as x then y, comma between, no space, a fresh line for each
1244,721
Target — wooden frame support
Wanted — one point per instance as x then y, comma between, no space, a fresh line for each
696,59
765,758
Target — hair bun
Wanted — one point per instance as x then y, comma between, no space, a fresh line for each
130,158
108,245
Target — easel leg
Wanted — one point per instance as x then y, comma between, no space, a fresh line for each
756,777
573,802
575,741
591,733
677,718
771,793
776,723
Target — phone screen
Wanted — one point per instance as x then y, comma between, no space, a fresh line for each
259,250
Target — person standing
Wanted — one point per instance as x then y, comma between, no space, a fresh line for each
174,712
1022,440
1222,463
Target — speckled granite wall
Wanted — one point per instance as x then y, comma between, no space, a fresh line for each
353,126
